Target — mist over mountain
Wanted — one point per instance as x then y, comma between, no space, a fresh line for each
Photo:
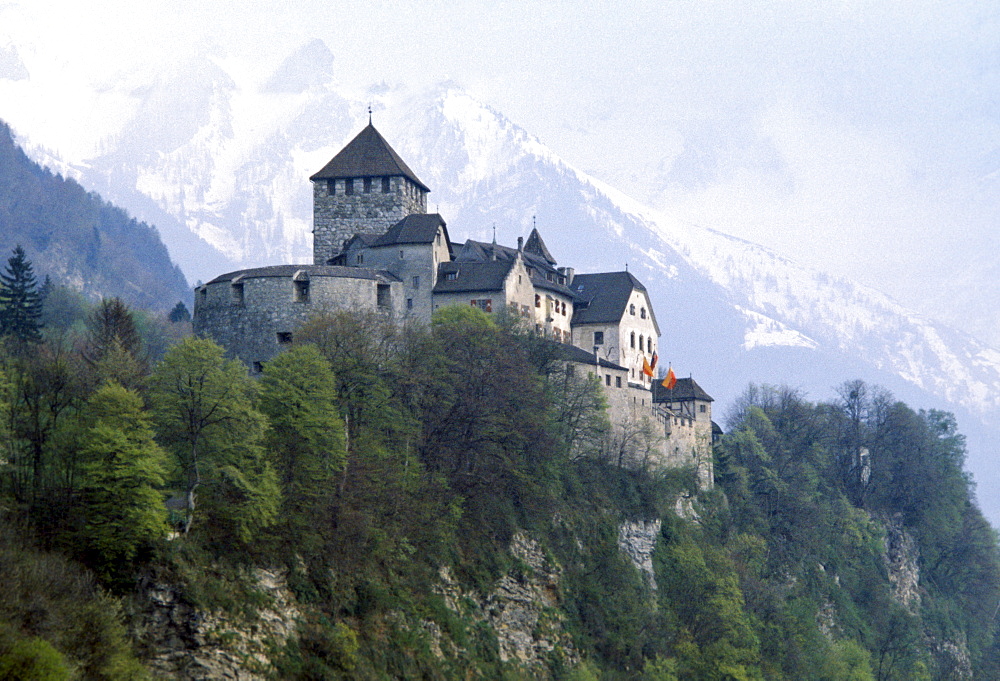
220,159
78,239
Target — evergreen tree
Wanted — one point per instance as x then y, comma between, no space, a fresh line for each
20,301
179,313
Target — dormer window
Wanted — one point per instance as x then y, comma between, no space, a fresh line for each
450,276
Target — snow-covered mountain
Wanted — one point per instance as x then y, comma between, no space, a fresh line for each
219,159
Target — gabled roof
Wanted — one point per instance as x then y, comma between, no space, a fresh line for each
543,275
418,228
685,390
571,353
307,272
536,246
472,276
602,298
367,155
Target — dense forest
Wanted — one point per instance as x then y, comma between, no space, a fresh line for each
422,492
80,240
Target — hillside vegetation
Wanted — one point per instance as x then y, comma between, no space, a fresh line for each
439,503
80,240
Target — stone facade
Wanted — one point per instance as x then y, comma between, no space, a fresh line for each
338,215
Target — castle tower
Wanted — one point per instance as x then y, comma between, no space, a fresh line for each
364,189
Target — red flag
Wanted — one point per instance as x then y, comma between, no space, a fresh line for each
646,369
652,365
670,380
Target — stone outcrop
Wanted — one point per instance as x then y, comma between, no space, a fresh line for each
902,557
637,540
181,641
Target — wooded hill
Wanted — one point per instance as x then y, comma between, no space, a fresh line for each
440,503
78,239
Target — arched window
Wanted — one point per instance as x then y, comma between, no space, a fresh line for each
641,342
642,313
631,310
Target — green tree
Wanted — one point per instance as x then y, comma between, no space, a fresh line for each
305,437
203,405
179,313
123,472
20,301
114,347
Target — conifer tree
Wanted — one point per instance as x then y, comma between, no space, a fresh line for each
20,301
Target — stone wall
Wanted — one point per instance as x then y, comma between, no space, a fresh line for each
337,216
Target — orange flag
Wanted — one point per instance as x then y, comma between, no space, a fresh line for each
670,380
646,369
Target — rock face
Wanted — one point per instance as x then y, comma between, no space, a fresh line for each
521,608
183,642
902,557
637,539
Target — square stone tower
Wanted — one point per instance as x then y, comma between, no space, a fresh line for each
364,189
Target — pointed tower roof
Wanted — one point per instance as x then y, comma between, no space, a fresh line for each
367,155
535,245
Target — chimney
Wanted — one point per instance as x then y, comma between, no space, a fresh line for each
520,244
567,272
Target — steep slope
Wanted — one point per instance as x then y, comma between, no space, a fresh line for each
78,239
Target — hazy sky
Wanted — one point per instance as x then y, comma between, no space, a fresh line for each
858,136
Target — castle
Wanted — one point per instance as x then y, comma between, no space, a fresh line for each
376,248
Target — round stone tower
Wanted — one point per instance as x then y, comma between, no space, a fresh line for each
364,189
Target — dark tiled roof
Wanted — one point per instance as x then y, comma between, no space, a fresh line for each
478,251
472,276
419,228
571,353
311,271
367,155
603,297
685,391
536,246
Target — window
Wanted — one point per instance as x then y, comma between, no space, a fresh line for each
598,338
416,281
484,304
331,187
631,310
450,276
383,295
349,186
607,380
618,381
361,258
701,408
642,313
409,303
386,185
367,183
642,344
538,300
238,293
284,337
302,291
633,339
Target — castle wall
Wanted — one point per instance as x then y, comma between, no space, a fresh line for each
337,216
259,315
416,267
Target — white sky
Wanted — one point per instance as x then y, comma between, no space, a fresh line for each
856,136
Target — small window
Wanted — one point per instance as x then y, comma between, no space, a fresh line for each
642,313
607,380
401,254
367,185
598,338
361,258
383,296
331,187
302,291
238,293
386,185
284,337
416,281
642,344
409,303
450,276
633,339
349,186
701,408
484,304
618,381
631,310
538,300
